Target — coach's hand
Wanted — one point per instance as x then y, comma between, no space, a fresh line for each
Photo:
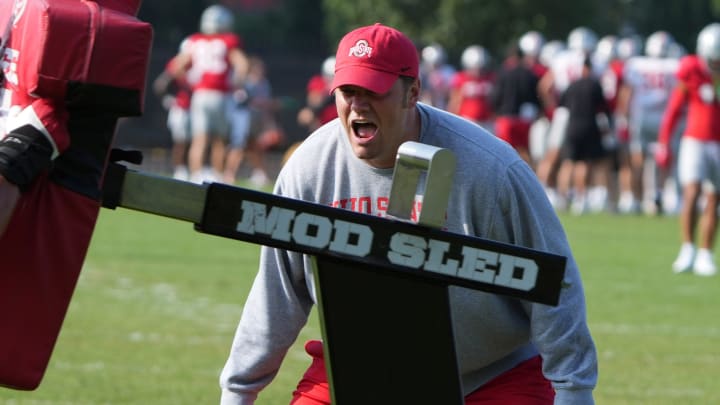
9,196
24,153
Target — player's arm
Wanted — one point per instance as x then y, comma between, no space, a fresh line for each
546,92
240,63
672,113
161,84
623,100
622,110
454,100
181,64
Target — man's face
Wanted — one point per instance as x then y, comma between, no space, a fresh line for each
376,124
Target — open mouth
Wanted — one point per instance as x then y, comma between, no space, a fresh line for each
364,129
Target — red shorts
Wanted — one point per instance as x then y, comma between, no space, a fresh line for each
514,131
522,385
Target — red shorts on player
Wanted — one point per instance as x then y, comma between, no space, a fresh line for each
514,131
522,385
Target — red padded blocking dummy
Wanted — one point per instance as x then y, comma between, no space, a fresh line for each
59,52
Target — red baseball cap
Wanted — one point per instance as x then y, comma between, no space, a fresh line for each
373,57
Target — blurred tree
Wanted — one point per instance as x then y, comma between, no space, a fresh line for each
682,19
458,23
495,23
172,20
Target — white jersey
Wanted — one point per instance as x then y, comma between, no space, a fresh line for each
567,66
652,81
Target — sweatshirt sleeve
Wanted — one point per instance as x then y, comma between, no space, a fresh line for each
560,333
275,311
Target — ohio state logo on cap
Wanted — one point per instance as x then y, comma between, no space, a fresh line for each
374,57
360,49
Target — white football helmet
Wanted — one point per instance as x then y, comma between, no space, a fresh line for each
216,19
582,39
658,43
550,50
606,49
628,47
434,55
475,57
328,67
531,43
708,46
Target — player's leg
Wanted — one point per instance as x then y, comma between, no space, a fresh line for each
625,194
260,126
704,262
179,125
220,128
218,148
563,192
199,122
637,161
581,180
537,140
549,166
520,135
690,175
239,131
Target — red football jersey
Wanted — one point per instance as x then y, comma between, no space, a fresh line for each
475,95
701,97
211,68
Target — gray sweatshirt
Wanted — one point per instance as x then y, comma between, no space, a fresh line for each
495,196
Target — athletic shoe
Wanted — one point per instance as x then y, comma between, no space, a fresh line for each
197,177
181,173
580,206
259,178
704,264
556,200
659,209
597,199
685,258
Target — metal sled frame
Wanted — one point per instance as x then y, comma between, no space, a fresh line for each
383,308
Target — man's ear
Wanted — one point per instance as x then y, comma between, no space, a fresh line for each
412,95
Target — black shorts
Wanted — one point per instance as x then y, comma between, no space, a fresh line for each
583,146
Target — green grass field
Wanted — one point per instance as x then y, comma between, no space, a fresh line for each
157,303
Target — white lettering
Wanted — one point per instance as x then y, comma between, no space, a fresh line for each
436,259
344,231
407,250
477,264
255,220
305,229
8,63
312,230
508,266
